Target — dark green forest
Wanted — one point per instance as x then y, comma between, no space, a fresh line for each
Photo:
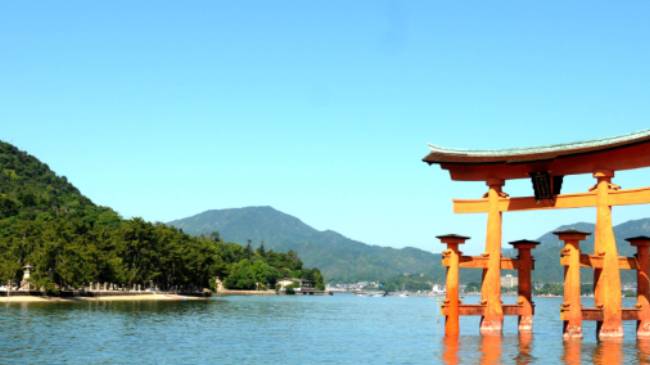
70,242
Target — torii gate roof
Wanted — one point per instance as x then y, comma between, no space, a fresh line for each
617,153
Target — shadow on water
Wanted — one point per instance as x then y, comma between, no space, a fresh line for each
489,350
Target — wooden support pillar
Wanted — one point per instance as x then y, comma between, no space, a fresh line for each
607,281
452,256
642,244
492,319
571,310
525,286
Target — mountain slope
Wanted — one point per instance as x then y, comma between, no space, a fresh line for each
28,187
341,259
547,254
70,242
345,260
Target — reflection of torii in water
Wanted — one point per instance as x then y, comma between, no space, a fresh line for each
546,167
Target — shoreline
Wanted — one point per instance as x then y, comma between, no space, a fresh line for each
103,298
228,292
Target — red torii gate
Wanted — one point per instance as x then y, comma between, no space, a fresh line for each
546,167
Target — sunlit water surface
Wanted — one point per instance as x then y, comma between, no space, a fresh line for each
343,329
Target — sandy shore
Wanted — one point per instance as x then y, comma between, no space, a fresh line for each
32,299
141,297
107,298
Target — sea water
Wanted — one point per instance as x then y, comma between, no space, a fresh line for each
339,329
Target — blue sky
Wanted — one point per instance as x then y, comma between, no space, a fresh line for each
322,109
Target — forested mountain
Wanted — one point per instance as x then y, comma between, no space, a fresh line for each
345,260
340,259
47,223
547,254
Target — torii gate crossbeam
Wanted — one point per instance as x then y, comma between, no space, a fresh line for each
546,167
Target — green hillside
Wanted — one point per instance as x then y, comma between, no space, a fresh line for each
341,259
345,260
70,242
547,254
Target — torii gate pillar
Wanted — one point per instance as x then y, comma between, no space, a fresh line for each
642,244
525,264
492,319
571,309
607,281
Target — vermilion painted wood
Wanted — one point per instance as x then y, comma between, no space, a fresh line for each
480,309
596,262
481,262
570,311
564,201
601,158
451,256
492,319
616,159
596,314
607,280
524,287
643,284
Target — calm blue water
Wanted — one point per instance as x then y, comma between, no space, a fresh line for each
342,329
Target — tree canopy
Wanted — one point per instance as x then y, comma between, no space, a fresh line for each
70,242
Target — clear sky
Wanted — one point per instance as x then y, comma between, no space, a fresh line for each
322,109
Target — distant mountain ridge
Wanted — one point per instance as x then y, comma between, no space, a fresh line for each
547,255
345,260
341,259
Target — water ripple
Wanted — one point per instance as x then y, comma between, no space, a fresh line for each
343,329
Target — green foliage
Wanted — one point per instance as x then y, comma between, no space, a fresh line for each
242,276
550,289
215,236
629,293
344,260
315,277
262,269
339,258
408,283
472,287
71,242
252,274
